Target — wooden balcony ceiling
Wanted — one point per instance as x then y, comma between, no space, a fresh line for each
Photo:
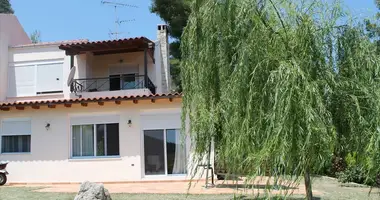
126,45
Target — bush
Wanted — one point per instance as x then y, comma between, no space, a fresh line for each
356,174
338,165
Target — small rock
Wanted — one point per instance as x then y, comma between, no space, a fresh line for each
92,191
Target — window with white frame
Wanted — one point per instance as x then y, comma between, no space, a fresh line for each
95,140
30,79
16,136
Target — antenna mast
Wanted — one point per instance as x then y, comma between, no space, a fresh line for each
118,22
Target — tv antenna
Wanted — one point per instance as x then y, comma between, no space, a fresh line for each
118,22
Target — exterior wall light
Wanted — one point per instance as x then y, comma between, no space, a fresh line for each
129,123
47,126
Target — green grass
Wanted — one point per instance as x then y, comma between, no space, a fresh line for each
330,189
20,193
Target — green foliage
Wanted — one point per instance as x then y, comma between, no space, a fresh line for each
175,67
35,36
373,28
5,7
174,12
354,174
356,171
351,159
278,85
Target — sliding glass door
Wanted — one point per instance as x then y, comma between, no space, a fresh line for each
164,152
154,152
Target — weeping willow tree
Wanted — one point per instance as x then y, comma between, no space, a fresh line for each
355,102
279,87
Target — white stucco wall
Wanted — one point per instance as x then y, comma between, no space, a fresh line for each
49,160
11,33
10,25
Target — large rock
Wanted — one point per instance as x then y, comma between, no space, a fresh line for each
92,191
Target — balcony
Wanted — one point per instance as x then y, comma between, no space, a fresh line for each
114,85
117,66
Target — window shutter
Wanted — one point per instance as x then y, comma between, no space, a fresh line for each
161,121
102,119
16,127
21,81
49,77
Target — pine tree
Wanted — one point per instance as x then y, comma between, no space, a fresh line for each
5,7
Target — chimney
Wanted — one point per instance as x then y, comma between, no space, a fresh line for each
163,38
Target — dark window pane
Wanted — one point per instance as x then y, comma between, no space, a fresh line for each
100,148
15,144
114,82
176,152
113,139
154,152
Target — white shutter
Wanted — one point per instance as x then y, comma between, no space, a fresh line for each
100,119
125,69
21,81
16,127
49,77
161,121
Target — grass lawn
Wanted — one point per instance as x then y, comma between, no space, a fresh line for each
329,188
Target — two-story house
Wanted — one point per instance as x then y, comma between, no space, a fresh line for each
79,110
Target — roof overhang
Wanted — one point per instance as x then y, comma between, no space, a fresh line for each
6,106
109,46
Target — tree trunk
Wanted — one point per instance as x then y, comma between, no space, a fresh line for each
208,165
309,192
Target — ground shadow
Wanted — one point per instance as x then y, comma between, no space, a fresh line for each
274,198
254,186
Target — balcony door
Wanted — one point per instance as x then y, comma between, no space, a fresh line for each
123,82
123,77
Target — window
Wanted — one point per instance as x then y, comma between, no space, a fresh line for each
122,82
31,79
15,144
128,81
16,136
164,152
95,140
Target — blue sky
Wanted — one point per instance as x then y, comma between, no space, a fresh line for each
89,19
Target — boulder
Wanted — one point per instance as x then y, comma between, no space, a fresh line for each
92,191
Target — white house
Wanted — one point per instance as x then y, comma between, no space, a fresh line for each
114,120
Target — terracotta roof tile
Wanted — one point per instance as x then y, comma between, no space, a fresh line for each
105,41
83,100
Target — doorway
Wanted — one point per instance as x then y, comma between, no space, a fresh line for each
122,82
164,152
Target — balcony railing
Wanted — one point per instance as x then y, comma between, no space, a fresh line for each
113,83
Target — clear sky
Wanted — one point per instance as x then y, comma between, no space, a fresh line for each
89,19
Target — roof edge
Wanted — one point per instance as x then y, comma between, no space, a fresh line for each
7,105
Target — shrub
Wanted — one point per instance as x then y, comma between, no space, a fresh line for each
356,174
338,166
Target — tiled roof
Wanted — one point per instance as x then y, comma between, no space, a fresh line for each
105,41
85,100
64,42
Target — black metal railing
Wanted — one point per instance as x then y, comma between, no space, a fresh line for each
113,83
